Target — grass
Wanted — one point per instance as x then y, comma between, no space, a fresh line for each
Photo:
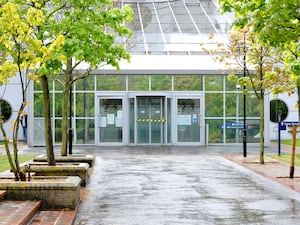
4,165
286,157
289,142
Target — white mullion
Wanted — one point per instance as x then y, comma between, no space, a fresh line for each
173,14
142,28
224,109
159,25
177,24
135,120
213,25
53,120
188,11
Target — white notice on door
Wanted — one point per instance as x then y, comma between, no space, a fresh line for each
184,120
103,121
118,121
111,119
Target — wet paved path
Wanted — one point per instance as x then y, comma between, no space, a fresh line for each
162,189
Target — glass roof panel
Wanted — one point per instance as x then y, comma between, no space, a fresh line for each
173,26
166,18
183,18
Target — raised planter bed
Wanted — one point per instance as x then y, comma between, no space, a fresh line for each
54,192
61,169
76,158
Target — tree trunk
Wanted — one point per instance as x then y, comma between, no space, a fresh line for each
294,137
262,127
21,174
298,92
47,122
9,158
292,165
261,111
64,128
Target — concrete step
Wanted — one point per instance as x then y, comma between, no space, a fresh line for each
57,217
18,212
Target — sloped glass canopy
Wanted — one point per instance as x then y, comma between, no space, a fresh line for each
178,27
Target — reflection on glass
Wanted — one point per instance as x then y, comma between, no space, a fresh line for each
214,83
85,131
188,120
187,83
161,83
58,104
85,105
111,83
58,131
215,134
138,82
252,107
38,105
111,120
86,84
213,105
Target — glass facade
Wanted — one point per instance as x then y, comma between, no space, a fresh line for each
147,118
173,105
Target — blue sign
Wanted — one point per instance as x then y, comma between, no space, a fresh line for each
234,125
283,124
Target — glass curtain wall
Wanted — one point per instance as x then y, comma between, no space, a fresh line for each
223,105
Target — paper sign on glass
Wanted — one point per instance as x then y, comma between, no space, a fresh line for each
110,119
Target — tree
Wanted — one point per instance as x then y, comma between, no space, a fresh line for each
243,55
69,40
276,23
90,31
21,55
261,59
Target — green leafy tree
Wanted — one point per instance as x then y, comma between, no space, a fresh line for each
276,23
22,55
69,39
243,55
90,30
259,58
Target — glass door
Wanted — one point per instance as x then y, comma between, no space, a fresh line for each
189,121
151,120
110,120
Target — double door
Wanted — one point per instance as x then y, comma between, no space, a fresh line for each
151,120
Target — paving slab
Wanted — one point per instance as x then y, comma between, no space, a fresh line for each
182,189
272,169
17,212
63,217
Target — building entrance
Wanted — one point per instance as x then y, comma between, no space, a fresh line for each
110,120
190,121
151,120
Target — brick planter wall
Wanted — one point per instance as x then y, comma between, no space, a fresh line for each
54,192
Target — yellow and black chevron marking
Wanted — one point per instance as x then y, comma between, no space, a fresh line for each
148,120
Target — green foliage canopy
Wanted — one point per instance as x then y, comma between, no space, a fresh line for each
275,22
